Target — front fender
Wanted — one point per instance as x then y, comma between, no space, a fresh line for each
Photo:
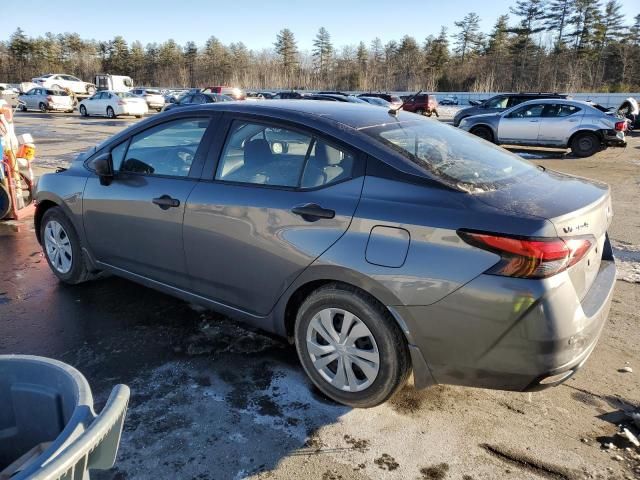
65,191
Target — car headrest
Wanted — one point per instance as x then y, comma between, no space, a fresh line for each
256,152
327,156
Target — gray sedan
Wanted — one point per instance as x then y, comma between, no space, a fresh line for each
379,244
551,123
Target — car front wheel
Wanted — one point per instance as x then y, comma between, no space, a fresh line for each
483,132
351,347
61,247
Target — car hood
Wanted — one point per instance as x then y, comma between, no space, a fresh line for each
547,194
483,115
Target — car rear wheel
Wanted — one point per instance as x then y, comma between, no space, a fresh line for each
483,132
420,111
351,347
42,107
585,144
91,89
23,107
61,247
83,111
111,113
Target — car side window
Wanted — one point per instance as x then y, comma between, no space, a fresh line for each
186,100
499,102
199,99
264,155
528,111
559,110
516,100
166,149
117,155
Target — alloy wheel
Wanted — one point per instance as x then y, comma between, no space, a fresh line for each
58,247
343,349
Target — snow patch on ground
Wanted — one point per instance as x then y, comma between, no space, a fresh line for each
627,261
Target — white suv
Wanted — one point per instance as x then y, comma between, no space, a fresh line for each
58,81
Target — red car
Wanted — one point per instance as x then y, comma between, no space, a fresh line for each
421,104
233,92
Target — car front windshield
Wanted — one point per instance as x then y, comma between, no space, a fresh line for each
456,157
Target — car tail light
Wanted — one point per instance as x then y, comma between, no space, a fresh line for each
530,257
621,126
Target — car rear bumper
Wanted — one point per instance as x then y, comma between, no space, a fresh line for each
613,138
509,334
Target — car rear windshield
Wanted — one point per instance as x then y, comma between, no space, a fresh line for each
456,157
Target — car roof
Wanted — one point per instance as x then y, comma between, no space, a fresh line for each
553,100
355,115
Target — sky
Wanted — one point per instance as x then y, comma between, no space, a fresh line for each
256,23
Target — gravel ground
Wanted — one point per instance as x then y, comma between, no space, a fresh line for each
214,400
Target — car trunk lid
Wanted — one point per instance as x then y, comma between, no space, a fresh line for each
577,207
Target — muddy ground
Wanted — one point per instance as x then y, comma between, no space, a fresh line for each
213,400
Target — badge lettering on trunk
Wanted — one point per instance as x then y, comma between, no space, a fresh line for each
577,228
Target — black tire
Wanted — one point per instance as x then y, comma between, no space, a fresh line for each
585,144
420,111
395,364
78,272
5,202
483,132
42,107
138,116
83,111
111,113
91,89
23,108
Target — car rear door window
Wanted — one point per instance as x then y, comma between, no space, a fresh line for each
166,149
265,155
559,110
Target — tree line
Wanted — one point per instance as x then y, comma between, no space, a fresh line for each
539,45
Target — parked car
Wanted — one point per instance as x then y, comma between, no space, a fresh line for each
449,100
551,123
267,95
378,243
380,102
291,95
334,98
233,92
172,96
60,81
500,103
394,100
153,97
113,104
197,99
8,89
45,100
422,104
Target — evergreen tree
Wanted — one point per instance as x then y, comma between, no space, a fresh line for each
469,38
322,50
499,36
556,20
287,49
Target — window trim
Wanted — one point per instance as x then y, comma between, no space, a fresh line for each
359,158
200,157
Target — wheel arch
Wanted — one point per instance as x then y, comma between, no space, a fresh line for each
489,127
582,130
285,311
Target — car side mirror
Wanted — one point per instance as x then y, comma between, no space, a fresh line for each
103,166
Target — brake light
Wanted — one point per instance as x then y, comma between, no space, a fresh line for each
530,258
621,126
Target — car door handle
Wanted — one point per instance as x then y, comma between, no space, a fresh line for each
312,212
165,202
